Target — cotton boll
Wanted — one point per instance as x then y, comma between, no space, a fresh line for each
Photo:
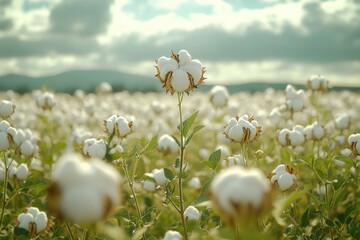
285,181
192,214
22,172
180,81
184,57
41,221
148,185
236,133
172,235
283,135
26,148
7,108
195,183
296,138
160,177
167,144
82,204
24,220
4,141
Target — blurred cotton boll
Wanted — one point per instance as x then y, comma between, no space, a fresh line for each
295,98
317,83
46,100
167,145
241,195
172,235
7,109
232,161
83,191
219,96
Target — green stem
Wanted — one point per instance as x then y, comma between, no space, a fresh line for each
4,191
69,231
182,151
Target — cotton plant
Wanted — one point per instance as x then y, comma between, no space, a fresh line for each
46,100
181,74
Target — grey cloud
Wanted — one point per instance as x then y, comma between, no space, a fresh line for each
14,47
324,43
83,18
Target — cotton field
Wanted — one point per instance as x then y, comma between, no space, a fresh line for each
181,164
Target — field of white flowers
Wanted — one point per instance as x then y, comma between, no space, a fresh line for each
181,165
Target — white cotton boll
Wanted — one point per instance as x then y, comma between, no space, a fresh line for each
94,148
235,186
26,148
318,131
148,185
167,144
110,124
122,126
232,161
195,183
162,61
315,82
41,221
191,213
160,177
12,171
172,235
296,138
308,131
297,104
275,116
342,122
4,141
180,81
12,131
22,172
339,163
19,137
285,181
184,57
236,133
283,134
171,66
279,169
69,169
4,125
219,96
194,71
33,211
340,139
204,153
24,220
354,138
7,108
82,204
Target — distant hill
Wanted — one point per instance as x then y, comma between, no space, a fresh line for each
88,80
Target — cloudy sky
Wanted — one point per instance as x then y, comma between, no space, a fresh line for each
237,40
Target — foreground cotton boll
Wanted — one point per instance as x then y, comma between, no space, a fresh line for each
284,177
242,130
317,83
172,235
33,220
240,195
167,145
179,73
46,101
191,213
84,191
7,109
219,96
94,148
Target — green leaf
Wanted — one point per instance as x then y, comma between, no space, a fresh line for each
202,197
186,125
150,179
283,204
183,174
114,156
329,222
214,159
152,144
195,130
168,174
176,140
177,163
20,232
